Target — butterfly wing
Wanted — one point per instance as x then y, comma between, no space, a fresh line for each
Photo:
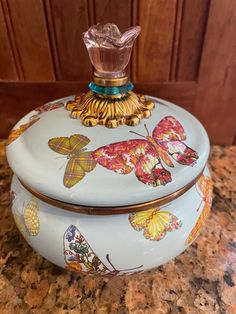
150,171
49,107
78,254
68,145
73,172
201,221
169,134
79,162
139,220
31,218
60,145
155,223
121,157
183,154
161,223
86,161
77,142
163,154
205,185
169,129
22,128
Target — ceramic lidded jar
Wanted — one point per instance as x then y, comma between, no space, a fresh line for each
110,181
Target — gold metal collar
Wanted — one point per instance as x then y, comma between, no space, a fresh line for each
101,81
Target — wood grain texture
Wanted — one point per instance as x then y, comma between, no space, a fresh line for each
18,98
194,18
67,22
185,54
215,101
157,19
182,93
30,33
113,11
176,39
8,68
26,96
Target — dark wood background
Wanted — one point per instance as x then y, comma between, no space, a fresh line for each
186,53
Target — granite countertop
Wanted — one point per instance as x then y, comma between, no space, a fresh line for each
201,280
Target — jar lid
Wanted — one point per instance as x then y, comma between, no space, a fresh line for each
62,159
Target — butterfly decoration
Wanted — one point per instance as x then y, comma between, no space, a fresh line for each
49,107
28,223
80,257
80,160
154,223
15,133
204,184
146,156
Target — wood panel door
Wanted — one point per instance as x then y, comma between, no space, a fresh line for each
185,54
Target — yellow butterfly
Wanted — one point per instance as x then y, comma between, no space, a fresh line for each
80,160
28,223
154,223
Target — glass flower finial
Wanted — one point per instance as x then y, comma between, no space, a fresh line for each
109,50
110,100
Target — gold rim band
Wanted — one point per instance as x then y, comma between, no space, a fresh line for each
101,81
126,209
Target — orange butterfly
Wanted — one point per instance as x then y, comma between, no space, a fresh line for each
205,186
14,134
49,107
22,128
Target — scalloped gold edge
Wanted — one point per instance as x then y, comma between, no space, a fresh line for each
110,110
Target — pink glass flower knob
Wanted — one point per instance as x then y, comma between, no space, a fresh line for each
108,49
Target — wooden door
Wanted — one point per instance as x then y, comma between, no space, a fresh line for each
185,53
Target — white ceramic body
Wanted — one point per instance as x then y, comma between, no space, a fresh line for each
110,234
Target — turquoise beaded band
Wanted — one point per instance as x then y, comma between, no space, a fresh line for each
111,90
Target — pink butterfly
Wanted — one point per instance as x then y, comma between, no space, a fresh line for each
146,155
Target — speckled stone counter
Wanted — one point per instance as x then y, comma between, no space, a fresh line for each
201,280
